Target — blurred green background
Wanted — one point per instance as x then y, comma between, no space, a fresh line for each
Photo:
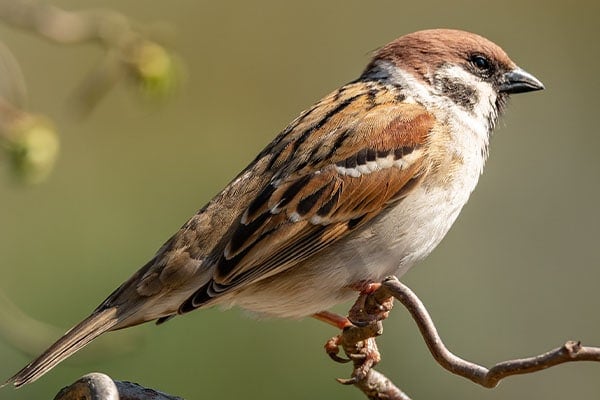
517,275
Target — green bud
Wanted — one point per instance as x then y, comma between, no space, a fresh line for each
33,147
154,68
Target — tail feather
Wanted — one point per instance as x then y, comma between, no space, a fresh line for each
76,338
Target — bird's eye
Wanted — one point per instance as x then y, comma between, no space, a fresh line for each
481,63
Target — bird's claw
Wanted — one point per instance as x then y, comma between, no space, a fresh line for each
357,357
358,337
347,381
364,359
332,348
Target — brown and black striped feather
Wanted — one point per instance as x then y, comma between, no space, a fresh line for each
309,204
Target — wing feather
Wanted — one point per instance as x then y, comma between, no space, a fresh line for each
332,174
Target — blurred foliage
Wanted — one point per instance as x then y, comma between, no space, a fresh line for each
31,141
32,145
157,71
517,275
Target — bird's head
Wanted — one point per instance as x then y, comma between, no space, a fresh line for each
472,72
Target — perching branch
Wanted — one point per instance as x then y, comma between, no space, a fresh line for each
97,386
569,352
359,345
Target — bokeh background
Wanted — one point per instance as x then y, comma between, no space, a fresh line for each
517,275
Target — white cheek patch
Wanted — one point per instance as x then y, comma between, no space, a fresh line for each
484,96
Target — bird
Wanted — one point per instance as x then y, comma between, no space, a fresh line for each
363,184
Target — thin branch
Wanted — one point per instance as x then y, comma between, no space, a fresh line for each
97,386
66,27
569,352
132,50
377,386
358,342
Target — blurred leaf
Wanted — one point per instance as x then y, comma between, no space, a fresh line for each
156,69
33,146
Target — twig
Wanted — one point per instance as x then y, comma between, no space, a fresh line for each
66,27
359,345
97,386
131,49
377,386
489,378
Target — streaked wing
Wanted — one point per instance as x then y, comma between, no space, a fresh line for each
336,167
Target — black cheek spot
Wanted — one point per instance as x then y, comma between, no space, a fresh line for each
461,94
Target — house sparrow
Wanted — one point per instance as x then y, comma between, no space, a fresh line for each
362,185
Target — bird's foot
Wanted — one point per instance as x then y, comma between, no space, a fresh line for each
358,343
359,330
372,304
366,357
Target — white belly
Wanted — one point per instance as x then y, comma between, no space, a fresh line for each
408,232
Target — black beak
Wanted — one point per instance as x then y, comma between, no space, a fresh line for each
519,81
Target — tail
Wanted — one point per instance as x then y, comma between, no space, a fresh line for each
77,337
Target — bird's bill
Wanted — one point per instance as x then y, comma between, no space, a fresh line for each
520,81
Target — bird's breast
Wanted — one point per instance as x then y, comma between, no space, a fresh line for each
411,228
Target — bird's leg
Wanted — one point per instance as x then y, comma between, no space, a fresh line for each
359,329
359,345
332,347
333,319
